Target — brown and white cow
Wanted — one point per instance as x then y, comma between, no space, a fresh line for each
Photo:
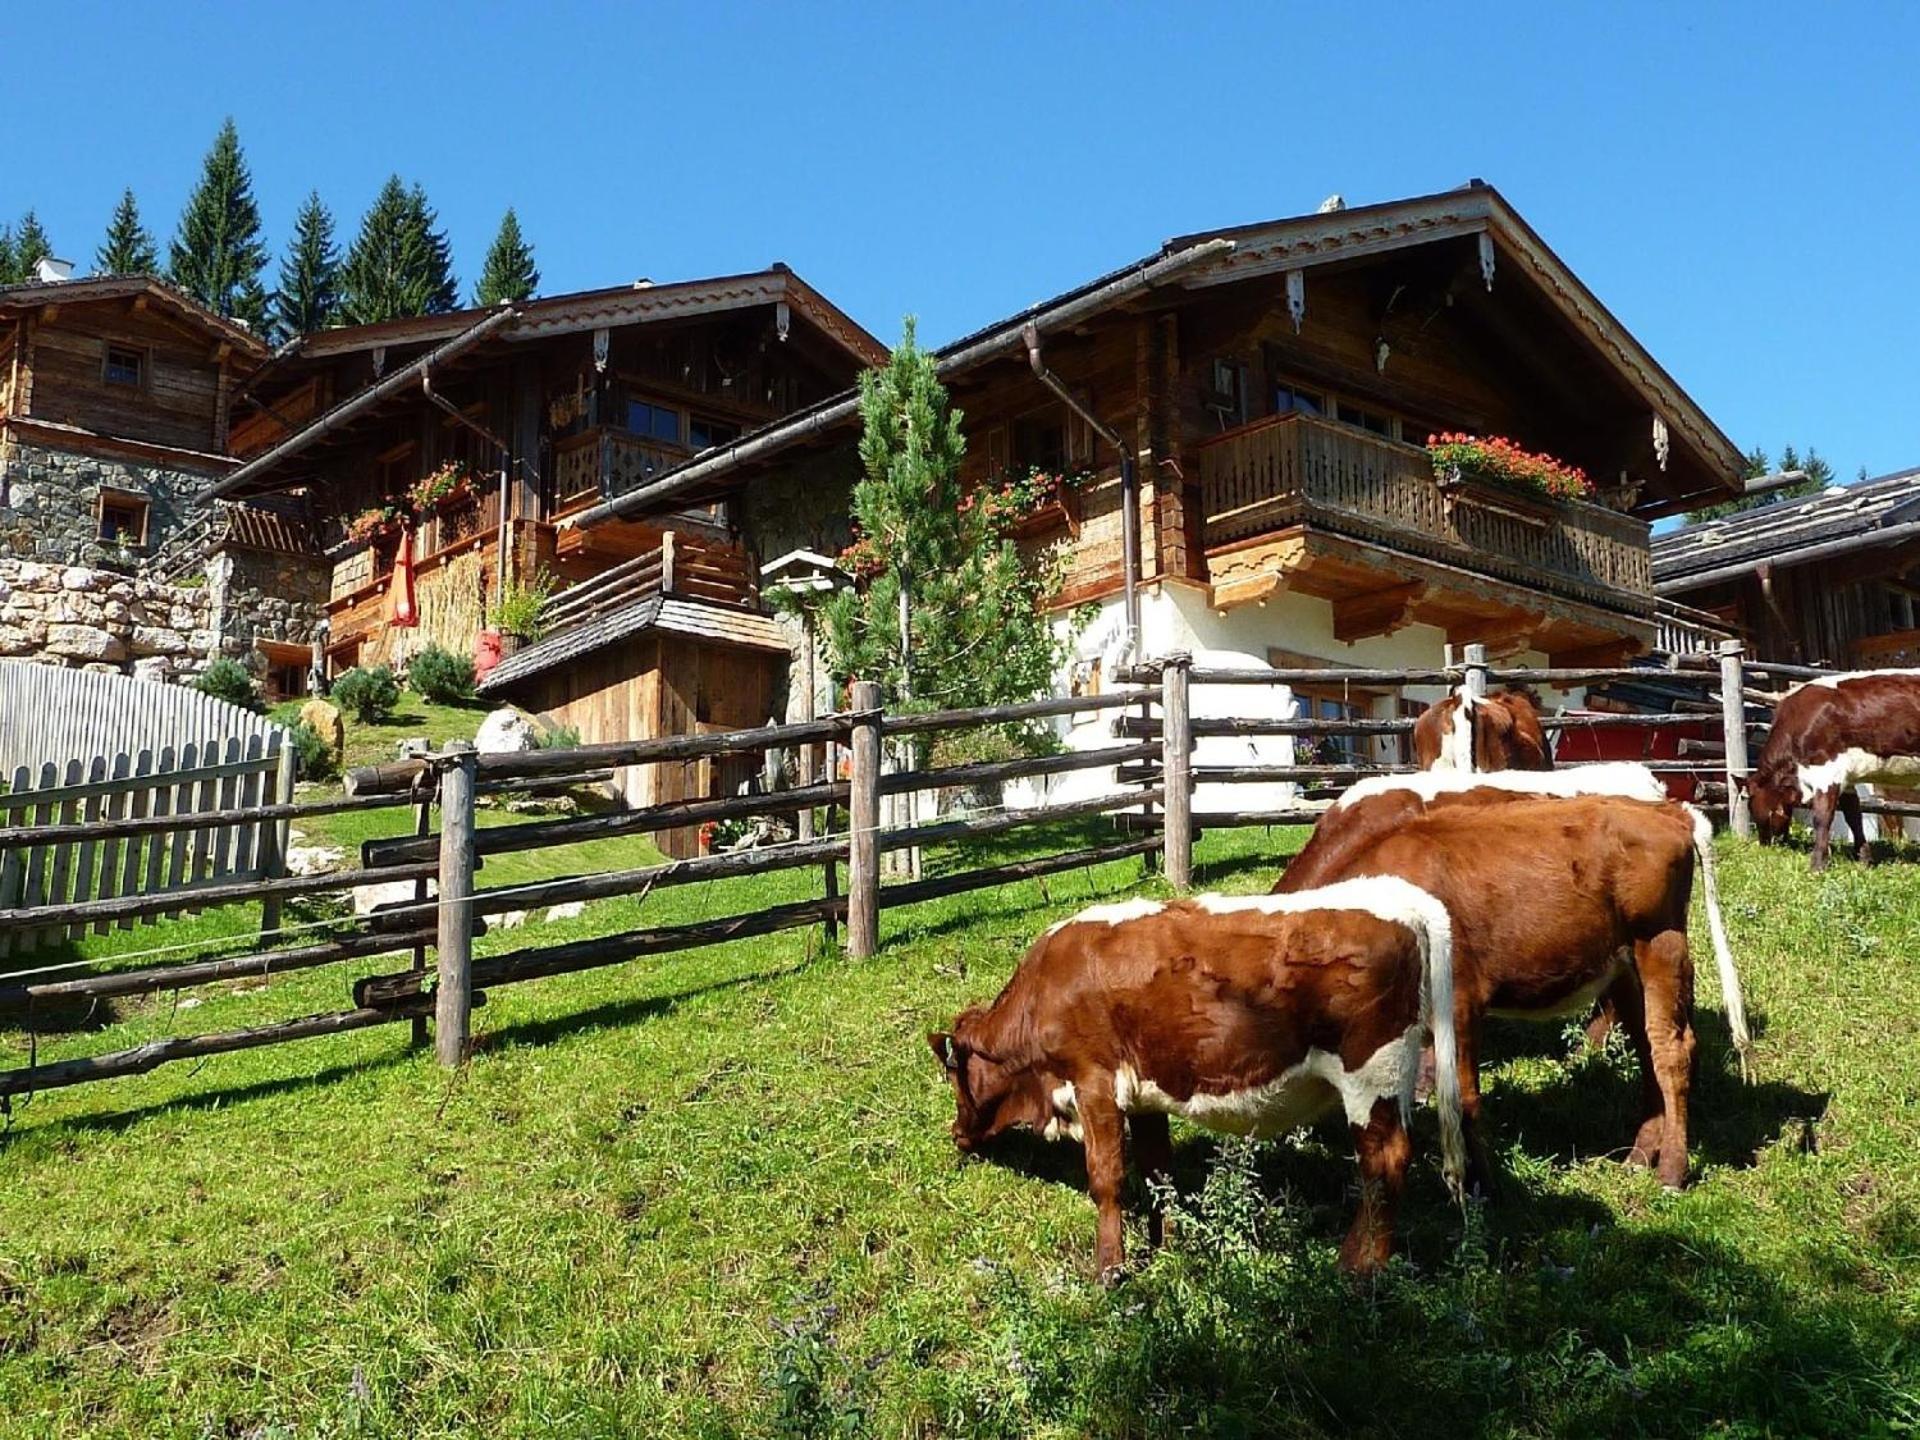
1492,733
1245,1014
1828,736
1555,902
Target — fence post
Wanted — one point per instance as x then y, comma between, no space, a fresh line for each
453,992
1733,714
277,835
1176,769
1475,685
863,824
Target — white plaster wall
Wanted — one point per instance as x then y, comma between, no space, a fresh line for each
1175,618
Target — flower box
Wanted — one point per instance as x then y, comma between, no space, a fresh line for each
1464,486
1060,510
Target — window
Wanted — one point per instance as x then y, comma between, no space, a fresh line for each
704,434
1227,392
656,422
1289,399
125,365
1350,414
123,518
1332,703
1039,443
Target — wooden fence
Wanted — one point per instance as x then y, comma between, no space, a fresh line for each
1150,802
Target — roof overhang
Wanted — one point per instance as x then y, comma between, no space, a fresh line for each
16,300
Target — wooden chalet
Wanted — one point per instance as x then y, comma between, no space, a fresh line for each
1257,400
1829,579
541,410
116,394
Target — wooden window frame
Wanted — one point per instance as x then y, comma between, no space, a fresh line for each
111,498
144,353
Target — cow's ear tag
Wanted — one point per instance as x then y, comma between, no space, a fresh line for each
941,1043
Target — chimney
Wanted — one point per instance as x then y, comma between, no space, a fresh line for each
52,272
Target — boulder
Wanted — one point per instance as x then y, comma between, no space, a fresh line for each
78,577
323,718
85,642
158,640
507,731
318,860
368,898
153,667
567,910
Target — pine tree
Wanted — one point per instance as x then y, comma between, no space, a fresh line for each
129,248
509,273
400,264
308,297
8,276
27,247
1819,476
217,256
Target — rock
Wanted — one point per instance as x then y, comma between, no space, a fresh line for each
510,920
153,667
506,731
78,577
157,640
85,642
318,860
571,910
323,718
368,898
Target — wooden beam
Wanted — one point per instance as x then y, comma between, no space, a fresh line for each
1376,612
1503,635
1605,655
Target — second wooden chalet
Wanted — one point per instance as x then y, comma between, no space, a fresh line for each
1228,440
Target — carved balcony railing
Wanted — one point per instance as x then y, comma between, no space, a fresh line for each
1298,470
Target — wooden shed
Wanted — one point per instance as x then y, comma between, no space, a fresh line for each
661,665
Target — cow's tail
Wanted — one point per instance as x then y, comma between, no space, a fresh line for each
1736,1002
1436,943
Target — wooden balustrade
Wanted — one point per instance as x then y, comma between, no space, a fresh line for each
1301,470
607,461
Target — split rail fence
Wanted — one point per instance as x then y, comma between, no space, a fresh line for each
1149,803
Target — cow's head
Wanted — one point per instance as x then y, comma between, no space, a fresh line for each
991,1096
1770,800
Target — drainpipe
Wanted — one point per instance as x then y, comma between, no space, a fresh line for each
1129,484
499,570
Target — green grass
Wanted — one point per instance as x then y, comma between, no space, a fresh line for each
713,1194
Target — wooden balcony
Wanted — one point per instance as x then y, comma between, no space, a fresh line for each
606,461
1309,476
681,565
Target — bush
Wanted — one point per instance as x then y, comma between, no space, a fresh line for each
558,737
315,754
521,609
441,676
231,681
369,695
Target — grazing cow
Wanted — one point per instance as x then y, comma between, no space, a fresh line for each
1828,736
1492,733
1247,1014
1555,902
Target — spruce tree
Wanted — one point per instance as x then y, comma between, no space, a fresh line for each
399,264
25,249
8,276
129,248
217,256
509,273
308,297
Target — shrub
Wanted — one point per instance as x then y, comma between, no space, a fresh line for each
522,606
558,737
369,695
441,676
229,680
315,754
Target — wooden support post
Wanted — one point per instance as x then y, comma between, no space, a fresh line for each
276,836
1475,685
1733,711
863,817
422,827
453,991
1176,769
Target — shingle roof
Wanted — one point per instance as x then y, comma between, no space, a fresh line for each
724,624
36,293
1777,532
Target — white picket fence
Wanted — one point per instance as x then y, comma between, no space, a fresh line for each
78,748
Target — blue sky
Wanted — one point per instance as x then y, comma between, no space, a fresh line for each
1738,184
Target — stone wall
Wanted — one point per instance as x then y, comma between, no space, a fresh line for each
74,615
267,595
49,502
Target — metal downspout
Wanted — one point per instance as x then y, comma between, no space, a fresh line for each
1129,485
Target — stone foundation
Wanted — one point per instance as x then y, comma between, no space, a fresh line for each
267,595
87,618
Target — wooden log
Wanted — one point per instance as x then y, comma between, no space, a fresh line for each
1734,731
1176,767
496,970
1202,675
275,835
541,834
542,787
863,814
1009,714
264,963
142,1058
1596,675
911,892
399,776
453,983
206,895
1146,728
1474,680
989,771
1000,821
407,914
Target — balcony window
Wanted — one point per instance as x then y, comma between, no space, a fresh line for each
704,434
1351,414
1292,400
655,422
